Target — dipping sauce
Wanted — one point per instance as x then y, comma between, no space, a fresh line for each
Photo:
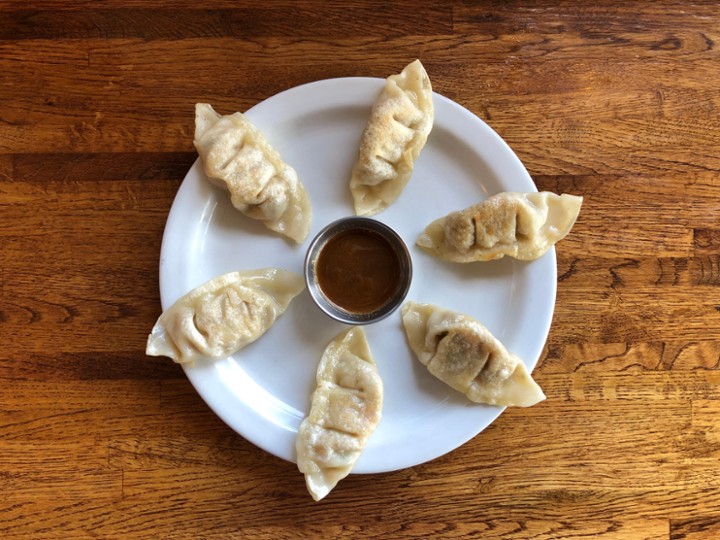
358,271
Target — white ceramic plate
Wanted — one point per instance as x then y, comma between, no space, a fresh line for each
263,391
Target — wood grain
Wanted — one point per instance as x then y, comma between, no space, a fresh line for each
617,102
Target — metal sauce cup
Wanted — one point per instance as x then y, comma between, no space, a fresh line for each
342,276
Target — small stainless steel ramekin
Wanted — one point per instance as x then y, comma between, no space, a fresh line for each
359,224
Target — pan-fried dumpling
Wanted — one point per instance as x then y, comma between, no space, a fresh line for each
520,225
237,157
400,121
462,353
224,315
346,409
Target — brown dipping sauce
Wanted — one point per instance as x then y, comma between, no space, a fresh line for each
358,271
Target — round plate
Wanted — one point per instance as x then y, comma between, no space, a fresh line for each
263,391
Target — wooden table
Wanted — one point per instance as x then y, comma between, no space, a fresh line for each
615,101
